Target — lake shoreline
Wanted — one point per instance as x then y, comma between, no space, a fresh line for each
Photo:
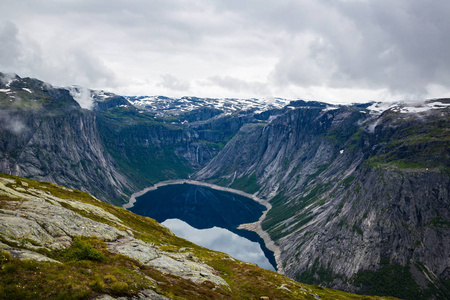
255,227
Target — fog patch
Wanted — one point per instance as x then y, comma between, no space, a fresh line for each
82,96
11,123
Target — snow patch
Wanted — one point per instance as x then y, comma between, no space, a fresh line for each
406,108
27,90
175,106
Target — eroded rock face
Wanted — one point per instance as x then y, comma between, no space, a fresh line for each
46,223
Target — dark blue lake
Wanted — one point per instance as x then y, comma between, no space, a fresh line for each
208,218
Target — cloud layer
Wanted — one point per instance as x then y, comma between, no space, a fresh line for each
343,50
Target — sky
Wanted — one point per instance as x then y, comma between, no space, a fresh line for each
338,51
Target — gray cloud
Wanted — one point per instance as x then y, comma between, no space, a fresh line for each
73,65
399,45
172,83
315,47
240,86
10,49
82,95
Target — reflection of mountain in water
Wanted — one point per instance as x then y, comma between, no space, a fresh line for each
202,207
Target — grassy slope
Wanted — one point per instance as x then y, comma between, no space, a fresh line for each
88,269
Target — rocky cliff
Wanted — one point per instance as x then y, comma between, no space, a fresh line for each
59,243
359,198
47,136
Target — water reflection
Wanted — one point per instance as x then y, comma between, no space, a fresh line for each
205,208
221,240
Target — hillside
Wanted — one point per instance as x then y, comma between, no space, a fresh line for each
59,243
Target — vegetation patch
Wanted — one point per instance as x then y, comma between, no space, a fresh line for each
347,181
282,211
391,279
439,222
318,274
82,249
247,184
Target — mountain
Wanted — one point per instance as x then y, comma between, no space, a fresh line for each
60,243
163,106
46,135
359,193
360,196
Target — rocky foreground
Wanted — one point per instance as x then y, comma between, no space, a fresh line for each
59,243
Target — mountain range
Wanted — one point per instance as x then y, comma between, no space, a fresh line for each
359,193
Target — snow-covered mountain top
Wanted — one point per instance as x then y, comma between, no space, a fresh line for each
176,106
409,107
11,85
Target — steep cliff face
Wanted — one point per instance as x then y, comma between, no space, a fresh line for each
47,136
357,198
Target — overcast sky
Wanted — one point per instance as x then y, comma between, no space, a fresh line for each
328,50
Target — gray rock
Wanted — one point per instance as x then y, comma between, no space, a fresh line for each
25,254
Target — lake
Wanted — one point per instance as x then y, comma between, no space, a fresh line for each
209,218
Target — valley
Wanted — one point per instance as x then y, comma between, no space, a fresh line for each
358,195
